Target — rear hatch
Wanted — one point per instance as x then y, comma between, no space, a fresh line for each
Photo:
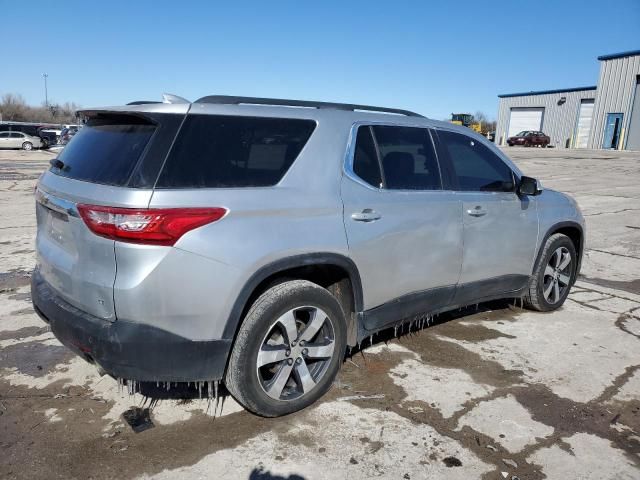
102,165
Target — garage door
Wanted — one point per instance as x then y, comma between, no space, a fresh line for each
525,119
584,124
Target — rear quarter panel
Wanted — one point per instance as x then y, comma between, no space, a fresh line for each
302,214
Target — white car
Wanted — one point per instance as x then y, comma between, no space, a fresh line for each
19,140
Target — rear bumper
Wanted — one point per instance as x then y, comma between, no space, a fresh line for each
127,349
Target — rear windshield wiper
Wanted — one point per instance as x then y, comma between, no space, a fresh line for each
56,163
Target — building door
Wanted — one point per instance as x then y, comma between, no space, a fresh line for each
524,119
612,131
633,136
583,127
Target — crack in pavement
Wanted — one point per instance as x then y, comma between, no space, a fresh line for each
610,213
612,253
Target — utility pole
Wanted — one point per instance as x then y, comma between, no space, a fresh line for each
46,96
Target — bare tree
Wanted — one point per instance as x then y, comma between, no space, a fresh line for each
14,108
486,124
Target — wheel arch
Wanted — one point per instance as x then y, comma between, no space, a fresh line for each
574,231
333,271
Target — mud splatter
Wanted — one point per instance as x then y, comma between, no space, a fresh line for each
14,279
452,462
631,286
24,332
34,358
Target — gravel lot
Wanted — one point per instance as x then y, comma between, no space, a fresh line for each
492,393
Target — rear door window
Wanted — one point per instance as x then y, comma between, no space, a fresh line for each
408,158
475,167
216,151
106,150
365,159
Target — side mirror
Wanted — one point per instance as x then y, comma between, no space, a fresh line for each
529,186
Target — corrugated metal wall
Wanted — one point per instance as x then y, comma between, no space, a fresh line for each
558,121
615,95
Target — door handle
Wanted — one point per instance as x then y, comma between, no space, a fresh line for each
367,215
478,211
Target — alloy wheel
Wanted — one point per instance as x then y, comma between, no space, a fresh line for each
295,353
557,275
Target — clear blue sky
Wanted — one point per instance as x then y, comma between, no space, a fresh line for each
431,57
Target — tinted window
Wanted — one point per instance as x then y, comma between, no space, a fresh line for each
16,135
106,150
4,135
475,166
408,159
223,151
365,160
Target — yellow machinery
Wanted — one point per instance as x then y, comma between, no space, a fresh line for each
467,120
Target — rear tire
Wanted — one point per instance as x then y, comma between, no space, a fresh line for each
27,146
553,276
270,372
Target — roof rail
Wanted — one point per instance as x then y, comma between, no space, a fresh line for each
231,100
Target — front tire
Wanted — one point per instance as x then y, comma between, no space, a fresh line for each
554,274
288,350
27,146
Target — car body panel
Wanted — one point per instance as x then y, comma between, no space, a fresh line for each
79,265
503,240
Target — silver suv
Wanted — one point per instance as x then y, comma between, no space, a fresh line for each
252,241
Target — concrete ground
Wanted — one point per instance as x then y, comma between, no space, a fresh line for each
493,393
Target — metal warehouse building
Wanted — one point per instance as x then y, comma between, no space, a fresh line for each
603,116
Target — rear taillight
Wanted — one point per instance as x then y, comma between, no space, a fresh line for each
152,226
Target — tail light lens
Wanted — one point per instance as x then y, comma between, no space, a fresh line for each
151,226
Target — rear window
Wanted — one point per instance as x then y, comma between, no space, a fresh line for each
106,149
215,151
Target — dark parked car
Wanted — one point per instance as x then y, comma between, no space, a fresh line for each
529,138
48,136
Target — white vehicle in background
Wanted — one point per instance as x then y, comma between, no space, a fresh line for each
19,140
